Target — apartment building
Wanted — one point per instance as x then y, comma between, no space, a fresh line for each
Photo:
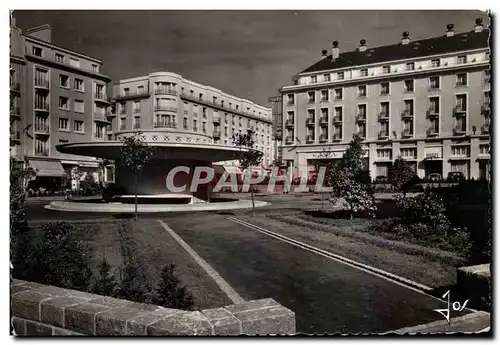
427,101
56,96
167,102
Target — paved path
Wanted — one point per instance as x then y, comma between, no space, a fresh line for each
327,296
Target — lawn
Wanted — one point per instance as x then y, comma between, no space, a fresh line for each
152,246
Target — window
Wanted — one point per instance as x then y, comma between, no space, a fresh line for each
78,84
487,77
408,106
362,111
386,69
63,124
362,91
41,78
291,99
140,90
137,123
314,79
462,79
384,153
484,149
435,63
64,103
384,109
324,95
214,100
338,114
462,59
410,66
137,107
63,81
408,152
195,126
78,126
185,123
364,72
326,77
338,94
409,84
311,97
461,103
74,62
461,150
340,75
434,105
123,123
123,108
79,106
37,51
434,83
204,127
59,58
384,88
95,68
486,97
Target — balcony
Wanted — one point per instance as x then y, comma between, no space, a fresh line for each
102,97
289,124
432,132
406,133
216,119
432,112
290,103
310,122
323,138
129,95
137,126
458,130
288,140
44,153
485,108
434,87
137,111
383,135
101,117
165,124
14,86
15,135
460,84
485,129
459,110
165,108
361,117
361,95
42,84
383,116
165,91
123,127
406,114
337,137
42,129
384,92
44,107
361,134
323,120
216,133
15,111
337,119
309,138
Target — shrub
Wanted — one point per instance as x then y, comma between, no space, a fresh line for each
57,259
134,285
427,208
170,292
105,283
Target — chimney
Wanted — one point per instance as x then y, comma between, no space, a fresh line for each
479,25
406,38
362,45
449,30
43,32
335,50
12,19
324,53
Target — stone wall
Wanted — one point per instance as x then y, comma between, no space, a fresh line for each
47,310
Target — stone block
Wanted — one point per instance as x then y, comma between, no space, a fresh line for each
267,320
15,281
81,317
143,306
250,305
33,286
85,295
18,288
114,321
110,301
138,325
52,311
53,291
26,304
19,326
61,332
37,328
223,321
184,323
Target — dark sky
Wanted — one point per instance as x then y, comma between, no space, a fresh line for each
246,53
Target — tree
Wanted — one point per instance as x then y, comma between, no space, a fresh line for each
134,155
349,180
402,175
247,156
170,292
19,179
105,283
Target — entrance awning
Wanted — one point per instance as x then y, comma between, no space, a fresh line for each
47,168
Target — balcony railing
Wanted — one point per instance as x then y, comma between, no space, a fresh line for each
460,84
361,134
165,91
15,135
216,119
458,130
288,140
42,153
311,100
15,86
434,87
137,110
361,117
323,120
137,126
406,133
383,116
384,92
432,112
383,135
136,94
42,128
42,107
432,132
289,123
406,114
42,83
101,96
323,138
325,99
309,138
165,108
310,121
361,95
459,110
337,137
15,111
485,129
216,133
165,124
485,108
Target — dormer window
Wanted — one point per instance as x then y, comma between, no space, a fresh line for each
340,75
435,63
364,72
386,69
326,77
314,79
462,59
410,66
37,51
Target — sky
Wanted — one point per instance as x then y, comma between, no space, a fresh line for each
249,54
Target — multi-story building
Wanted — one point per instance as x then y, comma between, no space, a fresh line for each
427,101
56,96
165,100
277,111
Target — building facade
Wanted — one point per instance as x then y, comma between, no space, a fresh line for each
167,102
57,96
427,101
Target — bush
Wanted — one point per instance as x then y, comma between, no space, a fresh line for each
427,208
105,283
56,259
170,292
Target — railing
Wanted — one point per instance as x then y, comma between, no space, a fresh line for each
361,117
15,135
162,124
290,103
485,129
42,128
15,86
459,109
384,92
289,123
309,138
165,108
383,116
383,135
288,140
361,95
433,87
15,111
42,153
337,119
42,107
460,84
137,110
485,108
432,112
311,100
457,130
406,114
323,120
101,96
325,99
42,83
407,133
310,121
432,132
165,91
132,94
123,127
323,137
137,126
337,137
361,134
216,133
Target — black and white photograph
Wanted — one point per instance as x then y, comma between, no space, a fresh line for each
250,172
